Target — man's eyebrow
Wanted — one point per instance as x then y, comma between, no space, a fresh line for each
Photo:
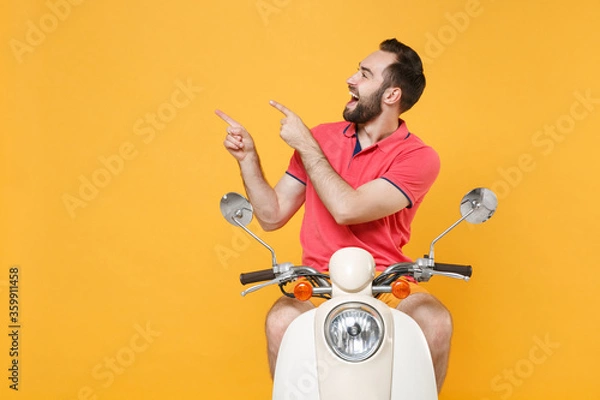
365,69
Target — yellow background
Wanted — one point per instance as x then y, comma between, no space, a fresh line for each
150,251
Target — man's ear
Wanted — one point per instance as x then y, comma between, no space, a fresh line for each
392,95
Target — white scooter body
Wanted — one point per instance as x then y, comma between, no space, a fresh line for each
307,368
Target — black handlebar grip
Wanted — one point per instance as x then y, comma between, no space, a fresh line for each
257,276
464,270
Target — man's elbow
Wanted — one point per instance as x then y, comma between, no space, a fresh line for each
357,214
269,226
343,221
348,210
345,217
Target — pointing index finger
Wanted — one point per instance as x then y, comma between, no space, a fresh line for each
232,122
286,111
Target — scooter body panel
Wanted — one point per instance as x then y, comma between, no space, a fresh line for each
413,376
308,369
296,373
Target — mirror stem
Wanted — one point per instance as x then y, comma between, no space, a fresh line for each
431,254
273,259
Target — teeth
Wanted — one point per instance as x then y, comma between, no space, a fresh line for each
353,95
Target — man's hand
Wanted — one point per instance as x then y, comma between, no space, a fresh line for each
273,207
293,131
238,142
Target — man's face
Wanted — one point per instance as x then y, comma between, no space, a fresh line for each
366,88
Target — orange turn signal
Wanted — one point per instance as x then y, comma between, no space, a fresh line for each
400,289
303,291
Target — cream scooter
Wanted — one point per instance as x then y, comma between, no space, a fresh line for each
354,346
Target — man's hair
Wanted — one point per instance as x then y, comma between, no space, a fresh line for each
406,73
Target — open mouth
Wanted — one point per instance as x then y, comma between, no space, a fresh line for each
353,98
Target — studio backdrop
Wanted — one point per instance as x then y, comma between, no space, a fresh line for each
118,274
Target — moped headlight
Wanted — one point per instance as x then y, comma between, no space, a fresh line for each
354,331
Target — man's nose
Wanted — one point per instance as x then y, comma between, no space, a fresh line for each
352,79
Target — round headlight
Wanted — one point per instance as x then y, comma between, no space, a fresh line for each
354,331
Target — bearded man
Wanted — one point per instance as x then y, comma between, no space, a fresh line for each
361,181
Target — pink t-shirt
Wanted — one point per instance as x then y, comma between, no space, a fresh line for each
402,159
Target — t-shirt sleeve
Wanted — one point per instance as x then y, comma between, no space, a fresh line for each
413,174
296,168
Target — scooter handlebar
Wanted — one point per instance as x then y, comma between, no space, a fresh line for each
257,276
464,270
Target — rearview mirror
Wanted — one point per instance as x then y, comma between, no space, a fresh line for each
236,209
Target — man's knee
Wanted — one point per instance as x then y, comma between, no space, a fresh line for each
282,313
429,313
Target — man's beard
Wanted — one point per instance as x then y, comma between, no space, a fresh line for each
366,109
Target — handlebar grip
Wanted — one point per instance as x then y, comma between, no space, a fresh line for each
464,270
257,276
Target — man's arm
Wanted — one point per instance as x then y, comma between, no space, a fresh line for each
273,207
348,206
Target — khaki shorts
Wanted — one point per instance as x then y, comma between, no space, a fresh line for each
393,301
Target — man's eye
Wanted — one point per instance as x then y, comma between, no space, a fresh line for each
362,73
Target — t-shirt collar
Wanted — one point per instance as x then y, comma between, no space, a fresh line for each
389,142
